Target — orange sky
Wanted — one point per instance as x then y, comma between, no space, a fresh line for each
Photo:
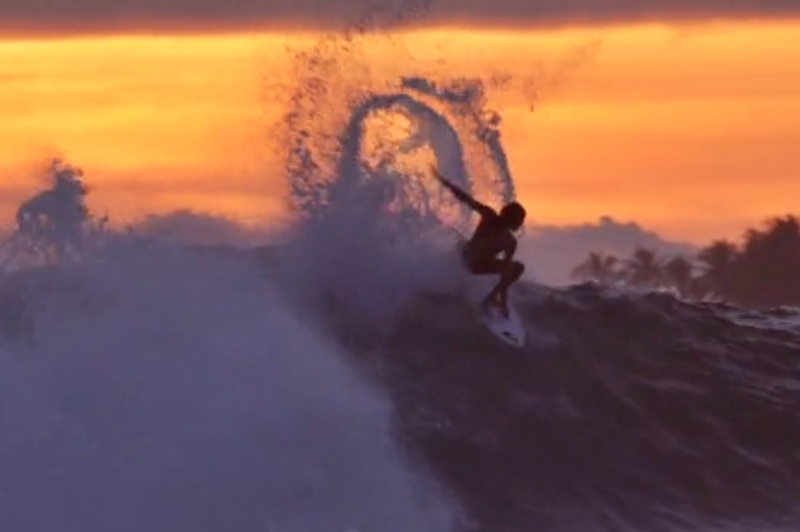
691,131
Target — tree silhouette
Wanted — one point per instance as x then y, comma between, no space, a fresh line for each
53,221
767,272
763,272
597,267
718,261
644,268
677,271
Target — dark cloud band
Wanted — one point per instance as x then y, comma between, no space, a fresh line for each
66,16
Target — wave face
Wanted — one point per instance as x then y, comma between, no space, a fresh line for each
645,413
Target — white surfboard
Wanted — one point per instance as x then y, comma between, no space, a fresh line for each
510,330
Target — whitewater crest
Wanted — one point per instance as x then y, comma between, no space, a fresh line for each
152,387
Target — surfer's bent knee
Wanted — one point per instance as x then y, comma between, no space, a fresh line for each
515,270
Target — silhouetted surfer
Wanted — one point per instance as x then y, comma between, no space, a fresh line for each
494,235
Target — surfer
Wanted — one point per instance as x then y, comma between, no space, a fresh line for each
494,235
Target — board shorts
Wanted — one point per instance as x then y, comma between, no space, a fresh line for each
480,264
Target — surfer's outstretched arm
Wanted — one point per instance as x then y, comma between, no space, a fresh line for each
462,196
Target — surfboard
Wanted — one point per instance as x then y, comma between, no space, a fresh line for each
509,330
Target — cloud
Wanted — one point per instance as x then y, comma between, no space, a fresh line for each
153,15
551,252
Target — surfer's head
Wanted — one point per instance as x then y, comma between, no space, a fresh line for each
513,215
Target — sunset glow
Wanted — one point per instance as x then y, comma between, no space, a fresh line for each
692,131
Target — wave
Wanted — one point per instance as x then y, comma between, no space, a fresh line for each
166,390
645,413
648,413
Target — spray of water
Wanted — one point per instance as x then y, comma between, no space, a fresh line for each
166,391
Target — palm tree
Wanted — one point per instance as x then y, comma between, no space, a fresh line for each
719,259
768,264
678,271
644,268
597,267
781,236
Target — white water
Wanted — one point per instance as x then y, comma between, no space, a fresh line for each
368,258
169,392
